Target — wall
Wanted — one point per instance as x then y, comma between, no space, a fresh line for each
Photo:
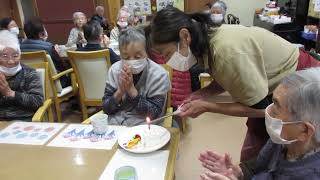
244,9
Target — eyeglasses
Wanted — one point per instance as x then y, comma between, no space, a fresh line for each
7,57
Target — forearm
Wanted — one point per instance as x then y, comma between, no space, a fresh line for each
234,109
27,101
212,89
151,107
111,103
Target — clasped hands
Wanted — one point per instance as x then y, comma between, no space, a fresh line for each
126,84
5,89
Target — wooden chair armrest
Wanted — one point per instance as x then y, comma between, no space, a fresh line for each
88,121
38,116
59,75
167,123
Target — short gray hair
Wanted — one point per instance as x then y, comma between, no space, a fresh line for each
303,97
131,35
9,40
221,5
99,7
76,14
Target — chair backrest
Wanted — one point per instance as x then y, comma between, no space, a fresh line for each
170,73
91,69
42,69
30,58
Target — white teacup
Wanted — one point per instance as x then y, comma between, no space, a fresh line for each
99,123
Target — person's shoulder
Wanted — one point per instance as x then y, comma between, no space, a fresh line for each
156,68
28,71
116,67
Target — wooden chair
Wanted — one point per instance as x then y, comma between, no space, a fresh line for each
91,70
168,121
44,113
58,93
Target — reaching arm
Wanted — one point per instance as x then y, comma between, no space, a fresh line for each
212,89
196,107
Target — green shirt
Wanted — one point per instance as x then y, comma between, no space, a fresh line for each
249,62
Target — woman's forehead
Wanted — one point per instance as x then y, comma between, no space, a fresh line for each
133,47
8,50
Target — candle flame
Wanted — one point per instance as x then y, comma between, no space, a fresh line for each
148,120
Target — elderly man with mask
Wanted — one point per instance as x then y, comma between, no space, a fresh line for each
218,12
20,87
293,123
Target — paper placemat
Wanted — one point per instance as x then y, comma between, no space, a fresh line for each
82,136
30,133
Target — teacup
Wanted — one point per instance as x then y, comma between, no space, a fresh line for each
99,123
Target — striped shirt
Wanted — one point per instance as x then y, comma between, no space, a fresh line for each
28,96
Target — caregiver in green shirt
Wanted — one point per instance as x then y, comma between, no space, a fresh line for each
248,62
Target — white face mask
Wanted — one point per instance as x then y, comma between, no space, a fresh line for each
10,71
217,18
180,62
274,127
14,30
123,24
137,65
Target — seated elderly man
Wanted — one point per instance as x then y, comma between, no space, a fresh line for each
20,87
94,34
293,123
37,40
76,37
99,16
136,86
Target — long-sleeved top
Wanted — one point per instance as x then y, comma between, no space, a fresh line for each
272,165
114,34
95,47
152,85
74,38
28,96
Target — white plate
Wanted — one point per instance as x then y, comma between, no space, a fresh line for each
160,137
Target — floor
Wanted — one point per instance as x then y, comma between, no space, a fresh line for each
207,132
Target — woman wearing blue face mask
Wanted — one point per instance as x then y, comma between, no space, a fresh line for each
218,12
136,86
293,123
247,62
20,87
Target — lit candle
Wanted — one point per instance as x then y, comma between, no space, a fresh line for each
148,122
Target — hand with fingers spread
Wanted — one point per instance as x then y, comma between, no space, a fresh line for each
5,89
216,176
193,108
221,164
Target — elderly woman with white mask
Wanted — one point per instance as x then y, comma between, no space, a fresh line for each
218,12
20,87
122,23
293,123
136,86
